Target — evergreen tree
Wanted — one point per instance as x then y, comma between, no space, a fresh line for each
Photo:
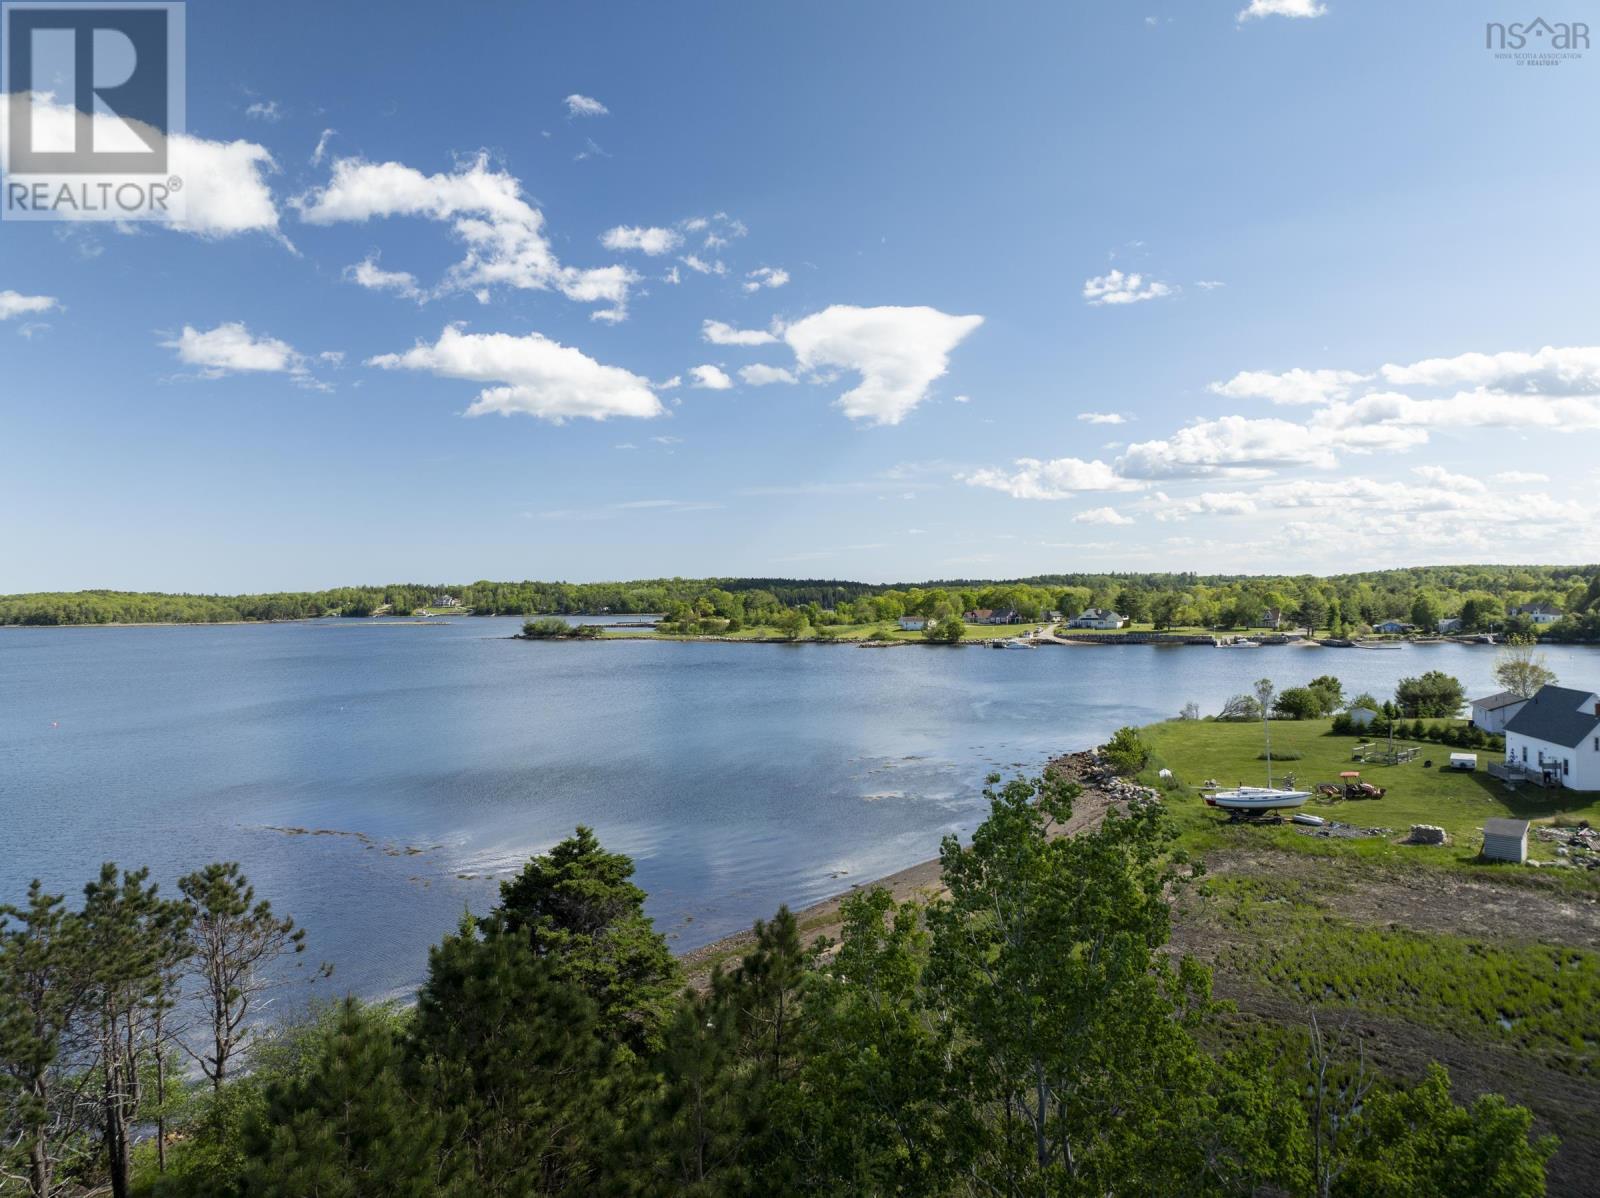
580,914
516,1054
350,1127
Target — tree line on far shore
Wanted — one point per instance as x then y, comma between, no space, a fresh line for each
1026,1034
1481,597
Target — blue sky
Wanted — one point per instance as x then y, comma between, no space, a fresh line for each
1058,287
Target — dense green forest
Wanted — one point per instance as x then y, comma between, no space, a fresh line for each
1023,1035
1482,597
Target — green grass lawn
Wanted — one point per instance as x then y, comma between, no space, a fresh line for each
1196,750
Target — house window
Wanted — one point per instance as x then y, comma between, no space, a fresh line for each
1524,754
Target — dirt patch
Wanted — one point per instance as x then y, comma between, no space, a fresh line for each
1430,901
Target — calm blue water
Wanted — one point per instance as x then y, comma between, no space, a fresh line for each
738,776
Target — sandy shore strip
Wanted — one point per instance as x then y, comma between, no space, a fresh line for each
923,881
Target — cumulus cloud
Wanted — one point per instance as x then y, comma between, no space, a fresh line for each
1060,478
367,273
898,353
647,240
718,333
321,152
1115,287
1440,477
1101,515
265,110
232,348
1303,9
14,304
710,378
1516,477
535,375
1291,387
1102,417
486,210
225,183
761,375
701,267
1569,370
578,105
766,276
1228,445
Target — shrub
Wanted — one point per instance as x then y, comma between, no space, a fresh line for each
545,627
1126,753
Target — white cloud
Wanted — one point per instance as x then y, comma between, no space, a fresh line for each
1440,477
671,384
1102,417
225,189
1061,478
1548,371
1101,515
1282,8
718,333
232,348
1516,477
504,234
961,399
1467,409
766,276
652,241
897,351
578,105
13,304
1115,287
537,376
265,110
1291,387
1209,284
1228,445
370,275
760,375
321,152
700,266
710,378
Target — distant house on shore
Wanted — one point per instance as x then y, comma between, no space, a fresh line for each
1493,712
445,601
1505,840
1272,617
1393,626
1556,735
985,615
1097,617
1449,624
1539,613
913,623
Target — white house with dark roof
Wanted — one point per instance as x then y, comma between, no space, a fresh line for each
1493,712
1557,734
1541,614
1097,617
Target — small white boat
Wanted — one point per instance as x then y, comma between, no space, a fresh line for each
1305,817
1257,798
1015,644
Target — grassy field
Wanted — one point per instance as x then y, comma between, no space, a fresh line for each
1197,750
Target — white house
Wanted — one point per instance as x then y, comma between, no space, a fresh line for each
913,623
1362,717
1493,712
1557,733
1449,624
1097,617
1540,613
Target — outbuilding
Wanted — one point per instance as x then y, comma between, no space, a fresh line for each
1505,840
1493,712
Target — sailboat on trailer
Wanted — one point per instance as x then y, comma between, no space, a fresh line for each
1248,799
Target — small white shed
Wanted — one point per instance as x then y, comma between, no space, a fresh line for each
1464,761
1505,840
